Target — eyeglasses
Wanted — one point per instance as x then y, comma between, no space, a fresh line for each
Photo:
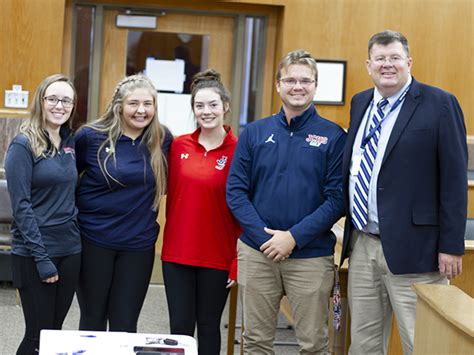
53,101
381,60
292,81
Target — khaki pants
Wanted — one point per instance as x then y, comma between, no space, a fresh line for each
262,283
374,293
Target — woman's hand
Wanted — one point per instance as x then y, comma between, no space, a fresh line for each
231,283
52,279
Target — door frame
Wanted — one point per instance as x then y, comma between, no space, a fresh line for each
269,14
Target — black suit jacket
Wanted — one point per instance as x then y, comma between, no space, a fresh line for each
422,184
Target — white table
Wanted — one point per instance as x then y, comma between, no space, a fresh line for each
75,342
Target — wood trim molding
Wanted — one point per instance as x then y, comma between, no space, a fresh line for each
8,113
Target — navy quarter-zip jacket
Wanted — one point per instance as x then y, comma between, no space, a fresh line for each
289,177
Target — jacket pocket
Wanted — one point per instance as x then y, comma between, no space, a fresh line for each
429,219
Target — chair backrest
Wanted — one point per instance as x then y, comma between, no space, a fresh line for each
6,215
469,229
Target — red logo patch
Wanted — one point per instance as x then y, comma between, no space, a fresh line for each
315,140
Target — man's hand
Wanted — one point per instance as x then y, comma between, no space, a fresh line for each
280,245
52,279
449,265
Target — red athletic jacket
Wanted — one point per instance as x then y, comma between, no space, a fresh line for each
200,229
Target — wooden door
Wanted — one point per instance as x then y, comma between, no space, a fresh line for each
220,30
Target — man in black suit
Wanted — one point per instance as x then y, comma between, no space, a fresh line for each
405,187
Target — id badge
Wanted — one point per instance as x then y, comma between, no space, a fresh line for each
355,164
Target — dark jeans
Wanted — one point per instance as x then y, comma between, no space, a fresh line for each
196,296
45,305
112,287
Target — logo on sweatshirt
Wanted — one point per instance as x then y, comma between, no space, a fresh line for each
316,141
221,162
270,139
69,150
184,155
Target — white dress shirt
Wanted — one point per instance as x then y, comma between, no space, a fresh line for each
357,152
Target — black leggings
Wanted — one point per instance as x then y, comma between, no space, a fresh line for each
112,287
196,295
45,305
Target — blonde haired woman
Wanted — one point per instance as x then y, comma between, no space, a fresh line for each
41,177
122,158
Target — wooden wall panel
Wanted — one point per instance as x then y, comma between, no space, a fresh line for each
113,58
272,48
440,34
31,40
67,39
340,29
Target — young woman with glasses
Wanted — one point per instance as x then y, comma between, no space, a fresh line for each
41,176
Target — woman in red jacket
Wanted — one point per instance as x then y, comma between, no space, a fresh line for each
199,246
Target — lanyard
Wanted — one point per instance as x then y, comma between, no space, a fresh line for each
366,138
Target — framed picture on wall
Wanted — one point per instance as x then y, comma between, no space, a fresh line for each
331,88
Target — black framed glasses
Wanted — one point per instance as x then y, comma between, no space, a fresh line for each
53,101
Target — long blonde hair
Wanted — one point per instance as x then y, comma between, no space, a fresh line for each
35,128
111,124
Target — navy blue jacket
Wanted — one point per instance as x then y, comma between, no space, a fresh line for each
288,177
422,183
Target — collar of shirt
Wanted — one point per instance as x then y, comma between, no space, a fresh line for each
393,98
228,139
297,121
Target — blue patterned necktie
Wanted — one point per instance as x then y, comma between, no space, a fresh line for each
360,212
